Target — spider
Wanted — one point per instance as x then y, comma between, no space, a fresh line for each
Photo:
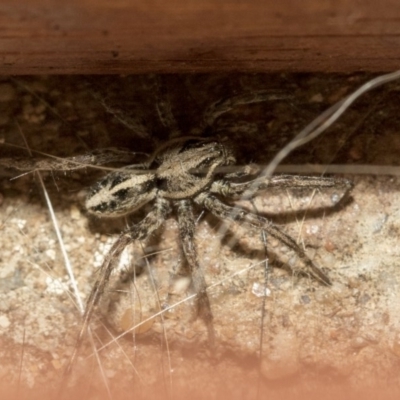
182,175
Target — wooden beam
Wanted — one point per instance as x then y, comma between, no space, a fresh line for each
122,36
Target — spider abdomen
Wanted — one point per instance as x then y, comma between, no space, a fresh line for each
120,193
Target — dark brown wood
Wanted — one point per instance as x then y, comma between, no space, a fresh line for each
122,36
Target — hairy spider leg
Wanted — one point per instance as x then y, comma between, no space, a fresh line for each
164,108
238,214
142,230
224,105
187,227
52,163
227,188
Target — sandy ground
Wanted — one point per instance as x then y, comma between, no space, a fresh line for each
283,336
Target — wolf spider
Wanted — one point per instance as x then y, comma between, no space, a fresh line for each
182,174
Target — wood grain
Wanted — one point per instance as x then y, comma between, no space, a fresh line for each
122,36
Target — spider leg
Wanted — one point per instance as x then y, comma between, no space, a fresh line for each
164,109
186,230
95,157
227,188
133,124
150,223
244,171
239,215
223,106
